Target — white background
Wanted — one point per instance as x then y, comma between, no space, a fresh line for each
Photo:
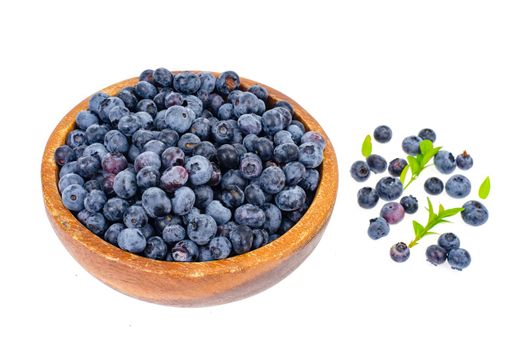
460,67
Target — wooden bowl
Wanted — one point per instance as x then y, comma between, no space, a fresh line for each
194,283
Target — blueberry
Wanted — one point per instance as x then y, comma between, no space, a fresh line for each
286,153
167,220
208,82
245,103
392,212
114,162
222,131
284,104
263,147
448,241
114,209
378,228
360,171
458,186
146,113
135,217
396,166
129,98
232,196
272,121
250,166
411,145
290,198
227,82
155,202
73,197
179,118
433,186
115,141
147,177
162,77
400,252
96,223
464,161
173,233
383,134
94,201
96,133
68,168
187,143
145,90
106,106
172,156
116,113
145,159
201,229
95,101
273,217
125,185
294,172
92,185
377,164
112,232
254,195
205,252
281,137
315,137
86,118
185,251
218,212
250,215
131,240
445,162
310,154
200,170
367,197
260,238
204,195
310,180
272,180
427,134
220,247
88,166
183,200
296,131
186,82
459,259
233,177
435,254
169,137
107,184
155,248
147,75
474,213
70,179
241,238
173,178
409,204
249,124
389,188
129,124
147,231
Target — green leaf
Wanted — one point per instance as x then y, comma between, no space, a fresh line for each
440,209
430,154
432,214
426,146
484,189
413,164
404,173
450,212
418,228
366,148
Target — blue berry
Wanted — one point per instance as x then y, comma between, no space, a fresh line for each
186,82
315,137
208,82
94,201
310,180
378,228
129,98
458,259
272,121
169,137
290,198
377,164
296,131
249,124
411,145
173,233
260,238
64,154
172,156
448,241
227,157
272,180
73,197
474,213
400,252
76,138
183,200
218,212
389,188
112,232
250,166
135,217
92,185
200,170
179,118
360,171
95,101
464,161
294,172
155,202
162,77
145,159
383,134
427,134
367,197
86,118
96,223
185,251
222,131
147,231
204,195
70,179
245,103
409,204
392,212
310,154
114,209
233,177
396,166
259,91
131,240
115,141
433,186
241,238
156,248
201,229
250,215
263,147
116,114
445,162
273,217
286,153
88,166
435,254
147,177
114,163
282,137
125,185
145,90
106,106
96,133
227,82
220,247
173,178
458,186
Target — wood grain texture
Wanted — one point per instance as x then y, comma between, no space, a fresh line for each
196,283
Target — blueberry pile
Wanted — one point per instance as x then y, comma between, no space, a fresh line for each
189,167
390,189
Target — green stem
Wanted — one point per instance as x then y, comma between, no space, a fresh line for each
410,182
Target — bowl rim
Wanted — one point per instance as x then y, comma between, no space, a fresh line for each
301,234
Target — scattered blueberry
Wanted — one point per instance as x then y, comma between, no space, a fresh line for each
389,188
474,213
444,162
464,161
458,259
410,204
458,186
378,228
433,186
383,134
377,164
400,252
396,166
392,212
427,134
367,197
360,171
411,145
448,241
436,254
